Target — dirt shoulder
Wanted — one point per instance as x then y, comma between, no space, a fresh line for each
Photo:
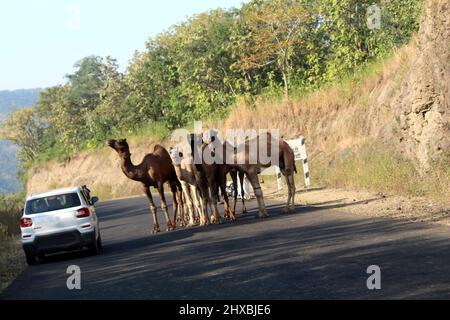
371,204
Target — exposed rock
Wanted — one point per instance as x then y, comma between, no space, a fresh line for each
424,100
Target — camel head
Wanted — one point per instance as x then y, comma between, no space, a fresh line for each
210,136
176,155
121,147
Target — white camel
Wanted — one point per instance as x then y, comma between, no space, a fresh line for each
192,187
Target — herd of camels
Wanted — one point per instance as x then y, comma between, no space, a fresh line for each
195,184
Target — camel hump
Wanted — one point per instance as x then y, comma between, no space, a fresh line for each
161,152
159,148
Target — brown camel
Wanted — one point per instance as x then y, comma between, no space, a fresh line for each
215,175
207,174
155,169
249,162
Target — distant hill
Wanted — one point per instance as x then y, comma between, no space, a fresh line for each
10,101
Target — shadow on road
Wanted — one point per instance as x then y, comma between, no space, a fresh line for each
275,212
313,253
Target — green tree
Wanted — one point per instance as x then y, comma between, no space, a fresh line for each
204,60
151,78
108,115
275,29
86,82
23,128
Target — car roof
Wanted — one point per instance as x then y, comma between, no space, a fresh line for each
53,193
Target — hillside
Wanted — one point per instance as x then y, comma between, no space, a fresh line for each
388,132
387,128
10,101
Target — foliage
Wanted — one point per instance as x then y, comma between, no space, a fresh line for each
23,128
9,102
199,68
12,260
276,32
10,213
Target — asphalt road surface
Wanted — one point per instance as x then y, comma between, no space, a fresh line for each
311,254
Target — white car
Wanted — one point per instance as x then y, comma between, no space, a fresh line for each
59,220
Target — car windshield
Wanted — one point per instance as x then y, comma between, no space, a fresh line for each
52,203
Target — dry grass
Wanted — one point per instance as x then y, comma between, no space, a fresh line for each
327,108
350,129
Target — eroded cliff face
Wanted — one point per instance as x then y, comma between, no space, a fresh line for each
423,101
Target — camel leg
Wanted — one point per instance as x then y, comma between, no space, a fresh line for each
178,203
241,180
198,206
204,210
177,194
181,201
170,224
222,178
188,200
196,213
152,209
293,190
228,213
202,198
235,195
215,217
253,177
287,209
290,204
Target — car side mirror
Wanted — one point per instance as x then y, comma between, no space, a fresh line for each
94,200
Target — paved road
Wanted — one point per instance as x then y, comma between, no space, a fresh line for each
315,253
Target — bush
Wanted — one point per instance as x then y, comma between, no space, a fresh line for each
10,213
12,260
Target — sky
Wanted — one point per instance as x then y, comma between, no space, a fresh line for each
40,40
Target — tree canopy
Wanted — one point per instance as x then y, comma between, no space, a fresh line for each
197,69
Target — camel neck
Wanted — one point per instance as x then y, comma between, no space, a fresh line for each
178,170
128,168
